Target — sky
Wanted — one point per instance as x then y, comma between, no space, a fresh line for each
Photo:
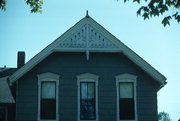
21,30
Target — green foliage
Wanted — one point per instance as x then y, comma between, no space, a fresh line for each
160,7
3,5
163,116
35,5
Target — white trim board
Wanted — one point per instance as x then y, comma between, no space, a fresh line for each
88,30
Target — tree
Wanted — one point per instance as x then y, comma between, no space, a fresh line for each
163,116
160,7
35,5
153,8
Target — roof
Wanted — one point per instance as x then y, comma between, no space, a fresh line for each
88,36
5,92
6,71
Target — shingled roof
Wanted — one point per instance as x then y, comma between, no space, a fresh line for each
5,92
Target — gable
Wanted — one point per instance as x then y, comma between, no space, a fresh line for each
88,36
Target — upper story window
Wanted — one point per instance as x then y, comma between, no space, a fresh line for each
48,84
87,97
126,97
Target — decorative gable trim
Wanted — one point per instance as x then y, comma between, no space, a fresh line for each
80,38
86,38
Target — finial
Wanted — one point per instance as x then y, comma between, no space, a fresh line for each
87,15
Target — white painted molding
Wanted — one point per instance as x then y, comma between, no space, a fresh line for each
127,78
87,77
46,77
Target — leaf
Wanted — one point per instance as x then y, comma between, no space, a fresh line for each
175,15
166,21
138,1
35,5
139,11
178,18
177,5
145,15
165,7
3,5
146,9
125,1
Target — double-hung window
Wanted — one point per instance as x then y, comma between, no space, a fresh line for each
126,97
48,97
87,97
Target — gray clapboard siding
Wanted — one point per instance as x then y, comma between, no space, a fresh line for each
68,66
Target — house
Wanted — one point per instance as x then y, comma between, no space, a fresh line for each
86,74
7,102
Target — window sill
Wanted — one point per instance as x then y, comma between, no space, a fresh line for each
89,120
127,120
48,120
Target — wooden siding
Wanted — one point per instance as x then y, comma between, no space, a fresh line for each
68,66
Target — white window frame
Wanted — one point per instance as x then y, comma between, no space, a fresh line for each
48,77
127,78
87,77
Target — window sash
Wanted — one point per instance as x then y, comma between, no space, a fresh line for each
48,90
87,101
48,100
126,90
48,109
126,101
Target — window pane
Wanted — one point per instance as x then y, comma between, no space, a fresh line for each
127,109
84,90
91,90
126,90
48,90
87,104
48,109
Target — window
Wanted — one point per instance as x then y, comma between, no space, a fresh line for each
87,101
126,97
87,97
3,113
48,97
48,100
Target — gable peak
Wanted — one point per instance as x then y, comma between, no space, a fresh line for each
87,15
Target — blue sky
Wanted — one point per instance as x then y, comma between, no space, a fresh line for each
21,30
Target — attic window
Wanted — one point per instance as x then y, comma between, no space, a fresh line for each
87,97
126,101
48,97
87,101
48,100
126,97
